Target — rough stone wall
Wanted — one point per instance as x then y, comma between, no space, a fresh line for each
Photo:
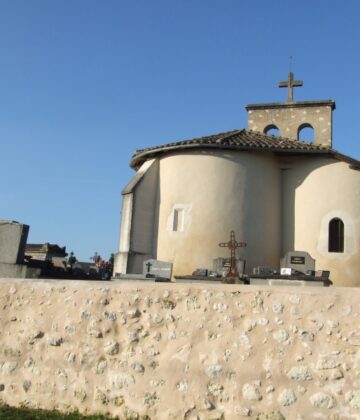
181,351
289,117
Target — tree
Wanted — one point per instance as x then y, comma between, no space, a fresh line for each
71,260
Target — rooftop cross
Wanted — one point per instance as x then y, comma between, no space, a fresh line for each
290,84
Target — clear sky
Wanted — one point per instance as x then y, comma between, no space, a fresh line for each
84,83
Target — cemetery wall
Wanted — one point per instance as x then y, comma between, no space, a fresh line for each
181,351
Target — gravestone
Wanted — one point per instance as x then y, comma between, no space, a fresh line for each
13,237
323,274
299,261
261,270
201,272
156,268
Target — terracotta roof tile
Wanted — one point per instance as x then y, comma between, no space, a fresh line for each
240,140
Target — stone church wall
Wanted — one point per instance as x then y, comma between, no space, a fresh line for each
176,351
289,118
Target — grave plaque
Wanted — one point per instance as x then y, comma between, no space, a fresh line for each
299,261
296,259
156,268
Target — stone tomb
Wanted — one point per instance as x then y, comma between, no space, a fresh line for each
297,269
13,237
156,268
222,266
153,270
299,261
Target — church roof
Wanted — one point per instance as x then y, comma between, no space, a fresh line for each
244,140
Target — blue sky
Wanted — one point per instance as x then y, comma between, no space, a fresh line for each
84,83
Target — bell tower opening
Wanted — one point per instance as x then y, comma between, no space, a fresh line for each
272,130
306,133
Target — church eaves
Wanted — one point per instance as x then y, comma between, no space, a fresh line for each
242,140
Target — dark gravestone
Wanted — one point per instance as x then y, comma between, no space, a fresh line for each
13,237
156,268
202,272
299,261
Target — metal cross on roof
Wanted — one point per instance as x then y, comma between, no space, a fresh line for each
232,245
290,84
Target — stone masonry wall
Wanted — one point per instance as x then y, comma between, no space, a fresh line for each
180,351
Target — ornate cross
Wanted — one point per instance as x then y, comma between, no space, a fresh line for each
232,245
290,84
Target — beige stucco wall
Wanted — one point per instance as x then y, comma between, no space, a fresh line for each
175,351
219,191
139,217
317,190
275,204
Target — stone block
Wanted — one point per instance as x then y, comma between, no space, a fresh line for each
18,271
13,237
156,268
299,261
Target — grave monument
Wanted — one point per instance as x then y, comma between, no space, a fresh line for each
13,237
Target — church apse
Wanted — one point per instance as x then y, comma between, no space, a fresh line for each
274,191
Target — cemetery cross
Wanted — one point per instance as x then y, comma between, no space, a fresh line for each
232,245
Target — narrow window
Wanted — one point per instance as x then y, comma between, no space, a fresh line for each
178,222
336,235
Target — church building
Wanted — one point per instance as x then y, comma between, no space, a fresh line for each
277,193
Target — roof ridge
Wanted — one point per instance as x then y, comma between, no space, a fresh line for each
229,134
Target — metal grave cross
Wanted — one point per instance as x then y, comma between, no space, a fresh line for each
290,84
232,245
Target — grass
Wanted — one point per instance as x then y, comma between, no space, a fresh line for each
22,413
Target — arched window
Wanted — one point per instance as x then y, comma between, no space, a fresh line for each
336,235
271,130
305,132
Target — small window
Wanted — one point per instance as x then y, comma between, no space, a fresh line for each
336,235
178,221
